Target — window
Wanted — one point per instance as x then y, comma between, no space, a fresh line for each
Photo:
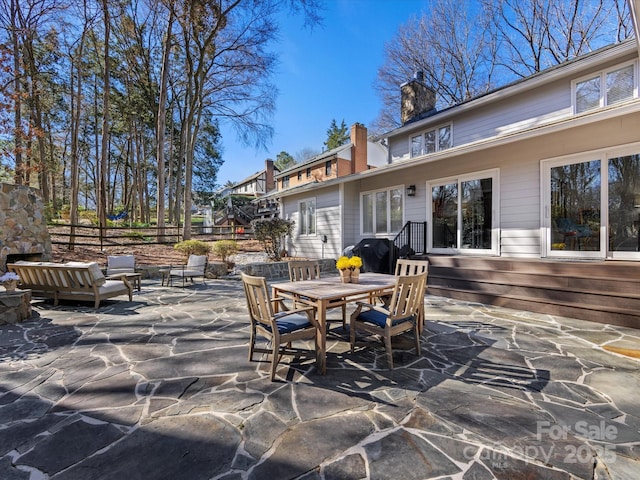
431,141
605,88
285,181
593,204
308,172
300,175
327,168
308,217
382,211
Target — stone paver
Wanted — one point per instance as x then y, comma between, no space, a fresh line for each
161,388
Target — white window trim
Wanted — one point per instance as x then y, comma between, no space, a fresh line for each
422,133
373,192
494,174
603,155
602,74
315,217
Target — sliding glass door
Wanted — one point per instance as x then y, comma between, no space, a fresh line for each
575,208
462,214
624,205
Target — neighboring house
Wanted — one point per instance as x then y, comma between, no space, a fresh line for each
545,168
358,155
258,184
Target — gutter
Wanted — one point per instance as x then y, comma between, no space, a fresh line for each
537,131
528,83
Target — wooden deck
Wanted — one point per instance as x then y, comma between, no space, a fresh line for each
599,291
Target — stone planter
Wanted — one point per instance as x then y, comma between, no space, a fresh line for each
10,285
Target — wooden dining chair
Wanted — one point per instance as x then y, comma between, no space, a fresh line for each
279,328
310,270
401,316
406,266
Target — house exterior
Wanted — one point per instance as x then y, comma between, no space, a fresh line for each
357,155
527,193
548,167
258,184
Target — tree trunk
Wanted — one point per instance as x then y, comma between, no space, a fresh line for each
17,95
76,97
160,129
104,153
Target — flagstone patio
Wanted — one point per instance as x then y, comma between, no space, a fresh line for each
161,388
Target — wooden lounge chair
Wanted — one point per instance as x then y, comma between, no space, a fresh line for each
69,281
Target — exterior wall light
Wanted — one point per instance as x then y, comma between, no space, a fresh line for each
411,190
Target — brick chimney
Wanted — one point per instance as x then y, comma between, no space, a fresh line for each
358,148
270,183
416,99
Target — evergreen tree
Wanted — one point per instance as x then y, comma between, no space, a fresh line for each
336,136
284,161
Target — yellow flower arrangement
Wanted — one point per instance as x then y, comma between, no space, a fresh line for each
355,262
352,263
342,263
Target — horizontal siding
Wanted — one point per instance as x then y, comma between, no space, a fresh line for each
540,106
351,214
536,108
328,220
521,243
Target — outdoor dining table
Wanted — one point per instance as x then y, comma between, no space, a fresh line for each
322,292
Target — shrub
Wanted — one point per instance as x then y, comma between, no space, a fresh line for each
224,248
89,215
270,233
193,247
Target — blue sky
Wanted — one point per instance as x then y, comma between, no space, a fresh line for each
325,73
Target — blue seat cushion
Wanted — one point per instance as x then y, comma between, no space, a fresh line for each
380,319
293,322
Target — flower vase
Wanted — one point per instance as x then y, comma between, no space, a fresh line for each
345,276
355,275
10,285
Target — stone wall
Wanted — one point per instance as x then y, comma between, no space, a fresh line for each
280,270
23,227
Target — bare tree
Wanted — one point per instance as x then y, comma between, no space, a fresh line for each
537,34
161,126
226,70
106,120
454,46
76,54
465,48
305,154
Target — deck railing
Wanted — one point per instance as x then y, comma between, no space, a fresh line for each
411,240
